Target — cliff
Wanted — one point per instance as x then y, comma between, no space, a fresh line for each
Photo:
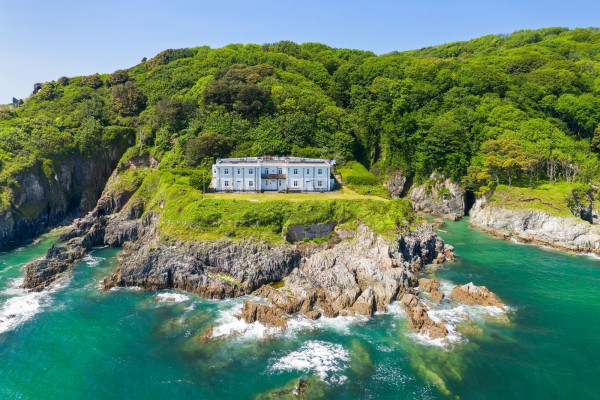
565,233
40,202
439,196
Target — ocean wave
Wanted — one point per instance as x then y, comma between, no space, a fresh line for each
228,324
326,360
172,297
92,261
21,305
118,288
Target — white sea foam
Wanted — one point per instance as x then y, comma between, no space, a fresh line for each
449,313
327,360
92,261
171,297
117,288
22,305
228,324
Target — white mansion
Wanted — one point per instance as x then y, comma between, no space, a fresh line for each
256,174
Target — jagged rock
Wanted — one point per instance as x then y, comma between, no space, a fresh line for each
418,319
297,233
42,272
269,316
313,314
436,296
440,197
531,226
475,295
365,304
428,285
37,87
395,184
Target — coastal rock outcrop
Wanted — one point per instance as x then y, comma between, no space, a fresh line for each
113,222
475,295
418,319
431,286
439,196
565,233
396,183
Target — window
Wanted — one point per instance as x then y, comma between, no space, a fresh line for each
295,171
319,183
225,183
266,171
307,171
295,183
251,183
279,171
320,171
239,171
251,171
226,171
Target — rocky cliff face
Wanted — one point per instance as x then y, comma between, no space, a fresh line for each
396,184
530,226
40,202
440,197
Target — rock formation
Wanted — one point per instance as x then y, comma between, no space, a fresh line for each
440,197
418,319
39,202
475,295
431,286
395,184
531,226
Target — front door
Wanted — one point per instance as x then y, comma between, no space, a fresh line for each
238,185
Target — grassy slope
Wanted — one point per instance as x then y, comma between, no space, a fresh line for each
188,214
550,198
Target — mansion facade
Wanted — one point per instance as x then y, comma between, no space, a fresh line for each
258,174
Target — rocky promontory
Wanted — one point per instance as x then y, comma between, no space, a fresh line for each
566,233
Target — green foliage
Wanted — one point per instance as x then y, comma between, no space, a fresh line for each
516,110
360,180
127,98
206,144
117,78
92,81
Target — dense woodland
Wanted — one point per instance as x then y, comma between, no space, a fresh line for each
514,109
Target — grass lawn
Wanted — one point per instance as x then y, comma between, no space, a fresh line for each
344,194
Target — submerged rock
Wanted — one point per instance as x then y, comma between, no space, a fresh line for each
475,295
361,362
298,389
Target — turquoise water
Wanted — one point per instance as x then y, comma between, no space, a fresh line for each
76,342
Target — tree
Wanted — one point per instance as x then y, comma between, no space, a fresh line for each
116,78
171,111
127,98
206,144
93,81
